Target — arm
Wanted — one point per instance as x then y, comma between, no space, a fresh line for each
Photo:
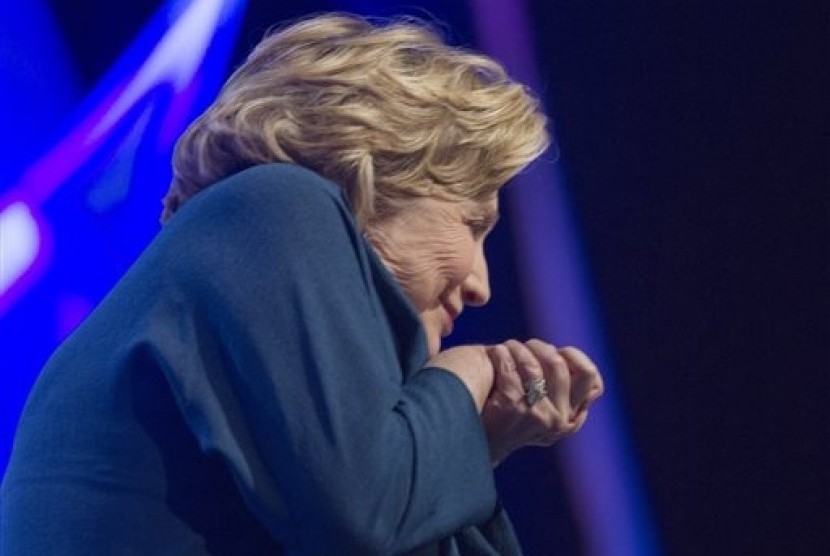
279,360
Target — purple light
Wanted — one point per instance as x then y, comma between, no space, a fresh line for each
25,248
174,61
19,243
602,477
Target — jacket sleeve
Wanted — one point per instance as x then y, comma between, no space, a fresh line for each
274,345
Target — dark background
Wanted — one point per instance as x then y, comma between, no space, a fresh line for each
694,139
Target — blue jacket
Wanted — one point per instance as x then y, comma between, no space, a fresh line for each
253,385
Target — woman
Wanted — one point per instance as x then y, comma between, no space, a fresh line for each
267,378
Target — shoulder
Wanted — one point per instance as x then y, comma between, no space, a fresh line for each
264,210
287,183
268,191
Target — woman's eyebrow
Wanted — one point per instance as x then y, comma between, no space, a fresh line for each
482,212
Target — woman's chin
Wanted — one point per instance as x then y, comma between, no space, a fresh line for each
433,344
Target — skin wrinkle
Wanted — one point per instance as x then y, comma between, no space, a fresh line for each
434,248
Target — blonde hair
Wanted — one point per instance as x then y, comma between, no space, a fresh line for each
386,111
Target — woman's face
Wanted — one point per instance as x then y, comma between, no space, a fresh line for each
435,249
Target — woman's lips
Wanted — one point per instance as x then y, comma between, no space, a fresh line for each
449,319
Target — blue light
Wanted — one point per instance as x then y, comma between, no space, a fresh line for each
38,85
77,217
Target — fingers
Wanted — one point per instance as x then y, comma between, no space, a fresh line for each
551,416
528,369
556,374
505,412
506,380
572,384
586,381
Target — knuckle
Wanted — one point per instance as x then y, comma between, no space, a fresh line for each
541,348
527,360
512,344
558,361
499,352
548,419
536,343
581,358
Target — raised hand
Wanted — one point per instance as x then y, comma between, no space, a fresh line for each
540,394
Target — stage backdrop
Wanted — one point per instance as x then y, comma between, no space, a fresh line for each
678,232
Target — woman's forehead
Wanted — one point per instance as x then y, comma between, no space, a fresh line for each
479,209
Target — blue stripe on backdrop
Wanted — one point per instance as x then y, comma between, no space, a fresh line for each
38,84
80,214
599,463
37,88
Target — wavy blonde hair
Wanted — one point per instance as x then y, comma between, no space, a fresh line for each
387,111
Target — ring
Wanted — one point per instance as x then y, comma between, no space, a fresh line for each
535,390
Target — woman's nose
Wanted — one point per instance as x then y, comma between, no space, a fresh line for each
476,287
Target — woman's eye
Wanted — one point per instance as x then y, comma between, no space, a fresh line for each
478,227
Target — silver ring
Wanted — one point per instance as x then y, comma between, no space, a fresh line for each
535,390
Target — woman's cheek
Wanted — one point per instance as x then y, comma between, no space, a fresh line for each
456,269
